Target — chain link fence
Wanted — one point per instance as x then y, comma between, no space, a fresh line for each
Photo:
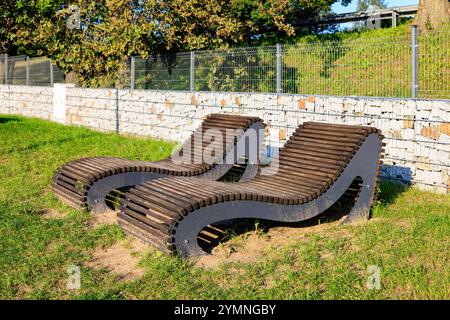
400,65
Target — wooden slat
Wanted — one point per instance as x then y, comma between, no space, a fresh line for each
90,170
312,159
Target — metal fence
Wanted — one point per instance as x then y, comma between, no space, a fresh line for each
399,65
23,70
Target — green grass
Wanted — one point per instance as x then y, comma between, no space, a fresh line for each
369,63
351,63
356,63
407,238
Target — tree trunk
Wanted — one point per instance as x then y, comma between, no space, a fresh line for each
432,13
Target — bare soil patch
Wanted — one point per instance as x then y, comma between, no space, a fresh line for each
23,291
107,217
121,258
252,246
53,214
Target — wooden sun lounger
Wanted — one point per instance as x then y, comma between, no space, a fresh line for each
317,166
84,183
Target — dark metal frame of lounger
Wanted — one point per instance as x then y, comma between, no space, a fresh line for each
364,164
97,193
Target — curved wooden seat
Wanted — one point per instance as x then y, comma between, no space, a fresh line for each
84,183
316,167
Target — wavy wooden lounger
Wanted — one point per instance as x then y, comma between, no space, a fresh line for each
84,183
317,166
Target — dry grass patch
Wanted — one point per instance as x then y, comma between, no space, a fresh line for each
52,214
254,246
23,291
106,217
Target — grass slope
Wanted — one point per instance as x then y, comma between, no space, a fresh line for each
407,238
369,63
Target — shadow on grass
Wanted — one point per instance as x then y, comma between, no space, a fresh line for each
34,146
387,194
8,119
233,228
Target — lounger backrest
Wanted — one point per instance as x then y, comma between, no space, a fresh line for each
213,122
320,152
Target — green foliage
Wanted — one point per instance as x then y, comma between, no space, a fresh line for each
110,32
113,30
8,27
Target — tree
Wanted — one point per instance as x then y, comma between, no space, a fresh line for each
25,16
200,24
432,13
7,26
113,30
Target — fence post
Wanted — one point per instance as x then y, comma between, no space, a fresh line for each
6,68
414,62
279,64
117,112
394,19
192,72
51,73
27,71
133,73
